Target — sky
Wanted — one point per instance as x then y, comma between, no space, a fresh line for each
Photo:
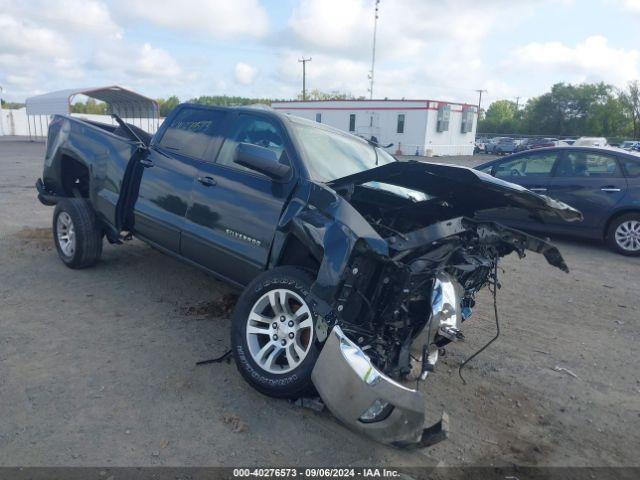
426,49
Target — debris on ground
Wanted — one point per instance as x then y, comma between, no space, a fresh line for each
234,422
311,403
557,368
41,238
216,308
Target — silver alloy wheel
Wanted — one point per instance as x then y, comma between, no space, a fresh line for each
279,331
628,235
66,234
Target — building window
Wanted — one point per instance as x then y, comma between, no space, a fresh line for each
467,119
352,122
400,127
319,117
444,114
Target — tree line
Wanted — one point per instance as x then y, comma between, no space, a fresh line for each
589,109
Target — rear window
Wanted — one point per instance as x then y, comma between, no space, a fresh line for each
632,167
191,131
587,164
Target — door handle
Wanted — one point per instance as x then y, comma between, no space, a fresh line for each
611,189
146,163
538,189
207,181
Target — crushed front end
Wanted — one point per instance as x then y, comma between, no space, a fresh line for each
385,313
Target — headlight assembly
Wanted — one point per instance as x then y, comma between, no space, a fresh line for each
445,306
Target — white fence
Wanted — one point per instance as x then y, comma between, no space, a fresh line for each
16,122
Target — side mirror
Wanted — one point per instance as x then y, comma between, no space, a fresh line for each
261,160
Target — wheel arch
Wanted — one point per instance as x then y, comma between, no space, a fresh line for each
295,252
618,213
74,175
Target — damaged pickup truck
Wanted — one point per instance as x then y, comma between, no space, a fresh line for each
356,268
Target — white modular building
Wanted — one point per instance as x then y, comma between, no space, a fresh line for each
414,127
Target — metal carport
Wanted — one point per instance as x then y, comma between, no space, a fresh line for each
129,105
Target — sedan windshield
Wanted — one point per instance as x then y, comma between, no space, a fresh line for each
330,154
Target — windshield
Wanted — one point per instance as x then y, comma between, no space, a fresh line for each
331,154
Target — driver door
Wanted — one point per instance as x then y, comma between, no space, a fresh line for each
235,211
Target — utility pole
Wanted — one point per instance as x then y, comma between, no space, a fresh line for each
517,103
1,115
304,76
373,50
480,91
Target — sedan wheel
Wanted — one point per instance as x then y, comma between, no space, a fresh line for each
627,235
623,234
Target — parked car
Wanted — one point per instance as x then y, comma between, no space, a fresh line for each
542,143
629,145
524,144
603,183
355,268
590,142
479,146
492,145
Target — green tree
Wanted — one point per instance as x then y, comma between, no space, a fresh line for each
596,109
229,101
11,105
500,117
166,105
91,106
316,94
631,104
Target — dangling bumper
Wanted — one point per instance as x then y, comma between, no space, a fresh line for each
368,401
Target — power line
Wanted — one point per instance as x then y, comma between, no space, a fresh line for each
373,50
304,76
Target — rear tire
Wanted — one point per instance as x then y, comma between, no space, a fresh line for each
277,352
623,235
76,233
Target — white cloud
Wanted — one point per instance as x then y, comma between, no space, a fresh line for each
215,18
406,28
24,38
84,16
244,74
590,60
630,5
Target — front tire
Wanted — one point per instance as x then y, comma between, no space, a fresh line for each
273,333
76,233
623,235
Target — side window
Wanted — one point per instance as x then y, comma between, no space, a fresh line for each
400,126
256,131
510,168
537,165
191,131
587,164
352,122
632,167
540,165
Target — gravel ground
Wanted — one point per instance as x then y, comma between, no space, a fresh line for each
97,367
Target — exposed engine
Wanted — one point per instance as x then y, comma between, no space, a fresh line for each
403,307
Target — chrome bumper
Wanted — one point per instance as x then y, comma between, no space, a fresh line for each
350,385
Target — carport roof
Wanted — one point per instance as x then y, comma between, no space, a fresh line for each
123,102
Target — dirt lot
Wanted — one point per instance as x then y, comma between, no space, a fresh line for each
97,367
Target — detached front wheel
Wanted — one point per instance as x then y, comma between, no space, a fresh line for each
76,233
273,333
